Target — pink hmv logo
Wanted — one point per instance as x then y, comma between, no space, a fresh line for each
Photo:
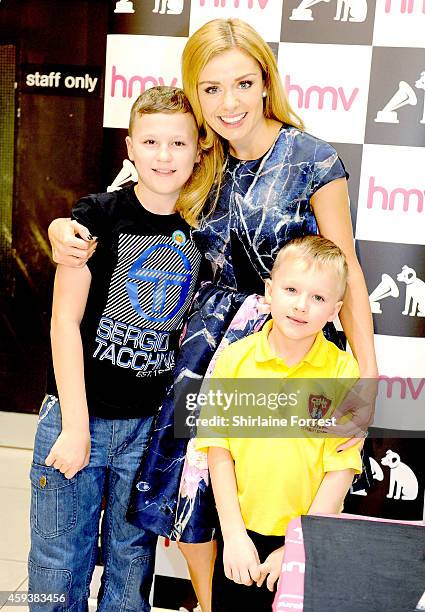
321,97
405,7
387,199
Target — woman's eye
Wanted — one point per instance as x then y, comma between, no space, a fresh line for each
179,143
212,89
245,84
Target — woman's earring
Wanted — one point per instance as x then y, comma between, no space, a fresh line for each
264,94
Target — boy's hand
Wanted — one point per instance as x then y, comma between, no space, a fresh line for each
271,568
240,559
70,453
67,249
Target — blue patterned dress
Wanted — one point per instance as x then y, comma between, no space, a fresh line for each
263,204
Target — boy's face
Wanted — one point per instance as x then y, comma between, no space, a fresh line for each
164,149
302,297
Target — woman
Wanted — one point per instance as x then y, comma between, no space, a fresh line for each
270,182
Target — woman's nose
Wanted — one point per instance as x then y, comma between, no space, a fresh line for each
230,100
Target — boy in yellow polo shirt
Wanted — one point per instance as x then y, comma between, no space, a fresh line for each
260,484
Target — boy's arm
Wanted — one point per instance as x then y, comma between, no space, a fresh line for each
71,451
328,500
240,557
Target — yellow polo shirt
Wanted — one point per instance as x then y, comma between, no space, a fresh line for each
278,478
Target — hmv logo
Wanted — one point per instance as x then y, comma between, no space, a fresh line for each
135,85
234,3
321,97
389,199
346,10
405,7
404,96
414,303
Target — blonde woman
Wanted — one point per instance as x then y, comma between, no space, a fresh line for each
267,181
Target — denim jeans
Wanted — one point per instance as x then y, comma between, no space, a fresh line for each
65,519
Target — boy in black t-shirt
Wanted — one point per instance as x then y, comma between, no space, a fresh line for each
114,330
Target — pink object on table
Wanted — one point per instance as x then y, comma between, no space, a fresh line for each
290,588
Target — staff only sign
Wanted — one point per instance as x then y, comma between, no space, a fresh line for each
61,80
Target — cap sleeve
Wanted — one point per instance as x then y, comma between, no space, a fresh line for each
328,167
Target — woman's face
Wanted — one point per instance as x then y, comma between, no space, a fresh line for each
230,89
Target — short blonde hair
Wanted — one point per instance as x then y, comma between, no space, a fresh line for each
210,40
170,100
316,250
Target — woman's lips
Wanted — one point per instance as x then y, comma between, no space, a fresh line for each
232,120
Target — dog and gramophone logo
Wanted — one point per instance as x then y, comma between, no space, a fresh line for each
157,17
328,21
396,281
396,110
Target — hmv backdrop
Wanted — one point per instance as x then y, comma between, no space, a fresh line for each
355,71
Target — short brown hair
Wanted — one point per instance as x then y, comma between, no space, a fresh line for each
319,251
159,99
170,100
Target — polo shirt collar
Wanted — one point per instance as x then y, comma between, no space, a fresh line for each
315,357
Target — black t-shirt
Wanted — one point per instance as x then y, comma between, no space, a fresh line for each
144,273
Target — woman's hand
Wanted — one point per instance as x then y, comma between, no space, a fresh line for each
240,559
67,249
271,568
360,404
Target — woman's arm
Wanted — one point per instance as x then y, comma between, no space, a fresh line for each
240,557
67,248
71,451
332,491
331,208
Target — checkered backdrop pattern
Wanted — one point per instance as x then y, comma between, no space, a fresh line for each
355,71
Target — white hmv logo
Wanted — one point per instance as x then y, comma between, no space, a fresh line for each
171,7
346,10
402,97
127,174
124,6
403,482
414,304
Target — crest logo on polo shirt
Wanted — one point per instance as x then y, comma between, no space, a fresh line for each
318,405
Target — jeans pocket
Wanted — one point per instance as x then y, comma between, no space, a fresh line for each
48,587
138,585
54,501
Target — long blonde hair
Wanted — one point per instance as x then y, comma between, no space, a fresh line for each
211,39
169,100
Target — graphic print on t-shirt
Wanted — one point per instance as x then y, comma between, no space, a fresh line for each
149,293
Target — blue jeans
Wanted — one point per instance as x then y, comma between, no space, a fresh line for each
65,519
